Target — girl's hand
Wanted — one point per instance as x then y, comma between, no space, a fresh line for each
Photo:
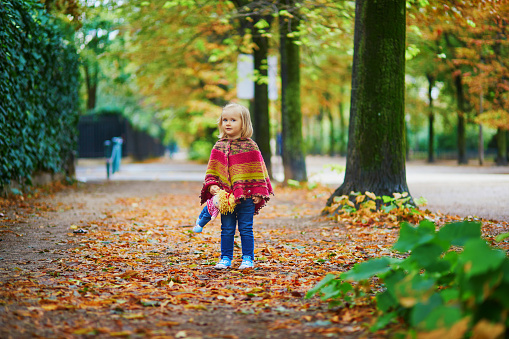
214,189
257,200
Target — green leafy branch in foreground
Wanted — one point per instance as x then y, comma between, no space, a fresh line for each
452,282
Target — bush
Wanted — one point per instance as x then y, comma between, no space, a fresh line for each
451,282
39,81
200,150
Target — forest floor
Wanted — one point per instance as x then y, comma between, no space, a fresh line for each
119,259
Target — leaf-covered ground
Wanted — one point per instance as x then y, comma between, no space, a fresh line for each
120,260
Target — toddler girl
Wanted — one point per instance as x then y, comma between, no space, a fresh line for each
236,166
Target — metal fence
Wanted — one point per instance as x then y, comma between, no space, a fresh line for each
94,130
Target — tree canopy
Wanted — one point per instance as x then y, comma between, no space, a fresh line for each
173,64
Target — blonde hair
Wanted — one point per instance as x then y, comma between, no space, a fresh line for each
247,126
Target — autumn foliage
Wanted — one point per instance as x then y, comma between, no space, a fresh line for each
470,39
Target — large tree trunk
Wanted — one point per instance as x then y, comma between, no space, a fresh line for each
261,101
431,119
462,142
294,162
376,143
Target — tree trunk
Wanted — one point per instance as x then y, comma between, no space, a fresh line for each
376,143
462,143
91,74
481,136
318,130
342,129
501,147
332,137
507,148
261,101
294,162
431,119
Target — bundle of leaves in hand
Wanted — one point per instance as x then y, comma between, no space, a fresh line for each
451,282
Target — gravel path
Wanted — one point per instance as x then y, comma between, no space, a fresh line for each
467,190
462,190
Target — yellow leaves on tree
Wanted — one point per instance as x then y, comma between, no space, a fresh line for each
496,119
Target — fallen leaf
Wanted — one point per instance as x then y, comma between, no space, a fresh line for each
168,323
133,316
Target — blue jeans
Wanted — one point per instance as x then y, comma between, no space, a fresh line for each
243,216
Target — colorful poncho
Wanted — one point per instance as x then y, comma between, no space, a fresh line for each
237,166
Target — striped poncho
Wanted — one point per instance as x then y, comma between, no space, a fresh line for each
237,167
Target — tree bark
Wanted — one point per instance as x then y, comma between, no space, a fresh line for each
261,117
462,143
377,142
294,163
431,119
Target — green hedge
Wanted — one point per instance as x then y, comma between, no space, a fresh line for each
39,82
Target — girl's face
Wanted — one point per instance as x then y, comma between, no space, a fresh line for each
232,124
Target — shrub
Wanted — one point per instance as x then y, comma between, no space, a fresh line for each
452,281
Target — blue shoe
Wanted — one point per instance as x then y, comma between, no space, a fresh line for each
225,262
197,228
247,262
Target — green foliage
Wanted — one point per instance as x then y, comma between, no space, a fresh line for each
200,150
451,278
39,93
331,288
338,169
293,183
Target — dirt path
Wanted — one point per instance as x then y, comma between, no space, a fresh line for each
57,283
37,232
138,271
